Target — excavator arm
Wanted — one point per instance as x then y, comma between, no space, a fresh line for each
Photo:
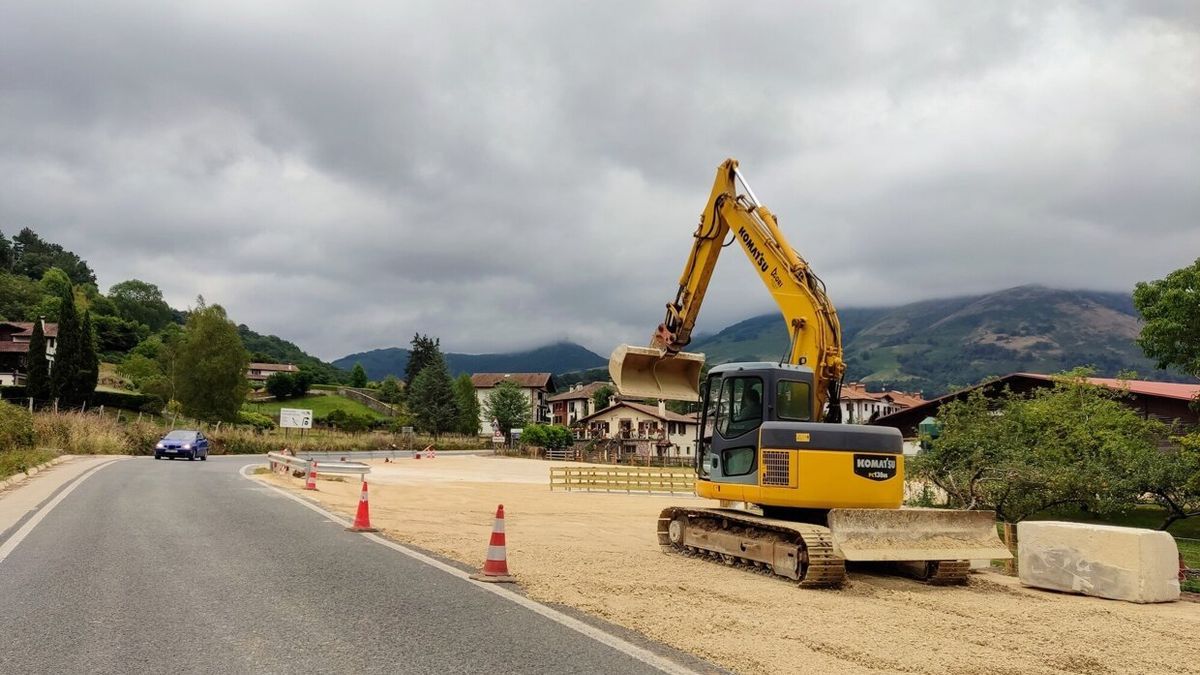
664,370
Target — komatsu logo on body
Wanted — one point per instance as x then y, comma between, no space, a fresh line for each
875,467
758,256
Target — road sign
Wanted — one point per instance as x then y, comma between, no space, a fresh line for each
295,418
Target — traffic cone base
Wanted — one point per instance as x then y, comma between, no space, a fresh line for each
362,519
495,566
310,483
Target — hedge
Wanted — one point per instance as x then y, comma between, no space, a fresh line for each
108,399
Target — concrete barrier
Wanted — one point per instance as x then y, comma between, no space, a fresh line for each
1121,563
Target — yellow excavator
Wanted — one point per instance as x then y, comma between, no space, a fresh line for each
771,433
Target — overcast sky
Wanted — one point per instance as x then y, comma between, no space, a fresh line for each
505,174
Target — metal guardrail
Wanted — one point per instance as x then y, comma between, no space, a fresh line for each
623,479
279,460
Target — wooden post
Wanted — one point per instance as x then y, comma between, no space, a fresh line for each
101,413
1010,540
139,416
30,404
55,406
84,408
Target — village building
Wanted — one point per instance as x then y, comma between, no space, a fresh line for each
1169,402
14,349
642,430
259,372
860,406
537,386
576,403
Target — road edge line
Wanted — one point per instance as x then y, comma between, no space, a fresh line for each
17,537
599,635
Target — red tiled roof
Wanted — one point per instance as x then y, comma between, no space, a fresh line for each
1182,391
51,329
527,380
645,410
583,392
278,367
14,347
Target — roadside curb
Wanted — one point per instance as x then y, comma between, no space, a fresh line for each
22,477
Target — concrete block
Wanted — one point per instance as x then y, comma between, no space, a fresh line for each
1122,563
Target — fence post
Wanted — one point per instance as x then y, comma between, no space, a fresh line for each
31,404
139,416
101,413
56,406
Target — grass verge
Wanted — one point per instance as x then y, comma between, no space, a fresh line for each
13,462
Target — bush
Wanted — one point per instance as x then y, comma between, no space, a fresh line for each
348,421
21,461
16,427
547,436
126,400
257,420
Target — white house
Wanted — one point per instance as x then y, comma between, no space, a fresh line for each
537,386
643,429
14,349
568,407
860,406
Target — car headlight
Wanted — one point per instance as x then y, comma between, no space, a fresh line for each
187,446
159,445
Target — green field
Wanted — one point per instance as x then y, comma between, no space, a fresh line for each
320,405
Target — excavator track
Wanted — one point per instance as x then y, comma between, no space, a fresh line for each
798,551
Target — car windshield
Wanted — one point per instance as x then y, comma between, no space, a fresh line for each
180,436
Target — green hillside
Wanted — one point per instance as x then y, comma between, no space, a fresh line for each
935,345
556,358
320,405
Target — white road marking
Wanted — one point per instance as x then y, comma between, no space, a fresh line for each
20,534
625,647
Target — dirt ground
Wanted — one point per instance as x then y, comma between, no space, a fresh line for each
598,553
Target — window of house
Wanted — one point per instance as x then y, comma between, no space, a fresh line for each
740,407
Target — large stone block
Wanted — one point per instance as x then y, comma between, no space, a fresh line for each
1122,563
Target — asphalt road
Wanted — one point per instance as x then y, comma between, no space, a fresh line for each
176,566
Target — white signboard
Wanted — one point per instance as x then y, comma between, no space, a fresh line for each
295,418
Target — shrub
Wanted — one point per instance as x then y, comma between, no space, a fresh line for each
16,427
257,420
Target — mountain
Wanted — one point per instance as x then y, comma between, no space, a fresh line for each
936,345
556,358
274,349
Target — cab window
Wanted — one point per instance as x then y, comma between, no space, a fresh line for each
740,408
793,400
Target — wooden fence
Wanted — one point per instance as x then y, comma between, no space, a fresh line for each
622,479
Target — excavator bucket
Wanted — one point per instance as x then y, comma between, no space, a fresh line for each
646,372
916,534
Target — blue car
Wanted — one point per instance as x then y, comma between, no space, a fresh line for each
182,443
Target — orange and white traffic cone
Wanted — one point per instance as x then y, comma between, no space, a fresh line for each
311,483
362,519
495,567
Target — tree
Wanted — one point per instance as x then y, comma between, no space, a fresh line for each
550,436
1170,310
600,397
89,361
19,297
301,381
281,385
32,256
68,355
1172,478
389,390
115,335
358,376
140,302
508,404
432,401
468,405
425,350
1073,444
37,367
210,366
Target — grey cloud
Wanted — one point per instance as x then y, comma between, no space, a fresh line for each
507,174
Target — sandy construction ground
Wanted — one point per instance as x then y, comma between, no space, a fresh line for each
598,553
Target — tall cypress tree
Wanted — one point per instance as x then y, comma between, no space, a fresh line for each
37,368
424,351
67,355
89,361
